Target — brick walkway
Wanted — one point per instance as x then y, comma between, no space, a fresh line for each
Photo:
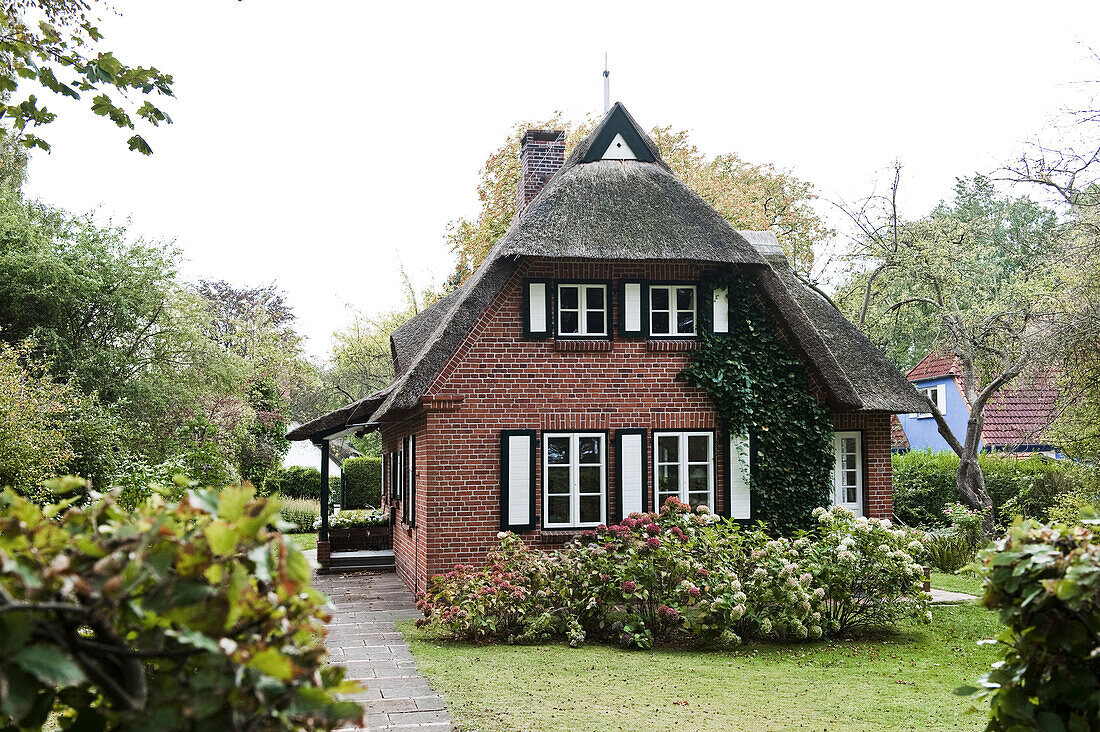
362,637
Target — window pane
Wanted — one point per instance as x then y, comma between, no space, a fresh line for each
570,322
557,480
848,444
668,449
557,510
660,324
685,323
685,298
557,450
697,449
698,499
658,298
698,479
848,462
590,509
589,449
850,477
590,480
851,494
594,323
593,298
569,298
668,479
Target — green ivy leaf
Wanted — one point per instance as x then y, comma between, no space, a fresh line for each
50,664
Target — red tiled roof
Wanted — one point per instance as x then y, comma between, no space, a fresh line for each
934,366
898,440
1020,412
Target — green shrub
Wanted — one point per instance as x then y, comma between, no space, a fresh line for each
175,616
362,482
924,484
1044,582
949,552
1069,507
295,482
302,512
686,577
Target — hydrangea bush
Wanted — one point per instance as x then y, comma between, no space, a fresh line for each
680,576
1044,582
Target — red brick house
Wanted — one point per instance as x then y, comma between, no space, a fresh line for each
541,396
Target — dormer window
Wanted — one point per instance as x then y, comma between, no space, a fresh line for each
582,309
672,310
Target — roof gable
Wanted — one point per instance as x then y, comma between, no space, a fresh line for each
618,129
934,366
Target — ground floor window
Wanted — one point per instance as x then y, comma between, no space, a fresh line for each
848,471
683,466
574,479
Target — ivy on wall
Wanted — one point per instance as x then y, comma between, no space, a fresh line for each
759,388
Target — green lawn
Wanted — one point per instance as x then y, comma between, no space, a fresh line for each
902,682
967,582
304,541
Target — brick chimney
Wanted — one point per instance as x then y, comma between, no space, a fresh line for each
541,154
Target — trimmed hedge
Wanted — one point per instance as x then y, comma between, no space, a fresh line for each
362,482
295,482
924,484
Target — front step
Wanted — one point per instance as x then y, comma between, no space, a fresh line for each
373,559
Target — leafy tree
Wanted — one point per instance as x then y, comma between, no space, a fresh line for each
180,615
748,195
54,45
984,274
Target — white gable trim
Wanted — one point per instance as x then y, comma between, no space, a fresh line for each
619,150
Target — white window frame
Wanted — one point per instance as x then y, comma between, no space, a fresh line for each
673,321
940,399
574,480
840,487
582,309
684,466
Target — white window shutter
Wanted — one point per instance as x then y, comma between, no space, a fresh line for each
740,495
631,465
517,465
632,308
536,308
721,319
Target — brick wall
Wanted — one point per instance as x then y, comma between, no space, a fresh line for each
499,380
878,490
541,154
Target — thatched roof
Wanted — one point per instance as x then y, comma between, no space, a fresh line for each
338,421
624,210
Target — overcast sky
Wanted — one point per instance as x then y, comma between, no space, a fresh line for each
321,144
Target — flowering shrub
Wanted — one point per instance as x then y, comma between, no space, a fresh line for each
965,522
867,570
353,519
1045,582
679,575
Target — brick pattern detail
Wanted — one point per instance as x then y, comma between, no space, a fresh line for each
878,493
508,382
324,555
578,346
672,346
541,154
441,403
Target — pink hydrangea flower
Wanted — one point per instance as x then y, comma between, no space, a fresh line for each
629,586
669,613
653,542
653,529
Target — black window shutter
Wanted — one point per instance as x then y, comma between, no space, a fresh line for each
412,480
538,316
517,480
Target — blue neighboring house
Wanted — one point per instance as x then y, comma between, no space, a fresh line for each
1015,418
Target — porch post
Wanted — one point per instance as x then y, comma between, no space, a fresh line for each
323,535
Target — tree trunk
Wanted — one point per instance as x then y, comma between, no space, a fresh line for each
969,479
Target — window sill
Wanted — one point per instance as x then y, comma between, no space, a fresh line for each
582,346
672,345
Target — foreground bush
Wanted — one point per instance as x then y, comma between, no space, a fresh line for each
188,615
679,576
1044,581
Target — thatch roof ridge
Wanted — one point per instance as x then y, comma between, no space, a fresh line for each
336,420
408,339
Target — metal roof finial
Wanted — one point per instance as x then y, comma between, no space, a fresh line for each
606,85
